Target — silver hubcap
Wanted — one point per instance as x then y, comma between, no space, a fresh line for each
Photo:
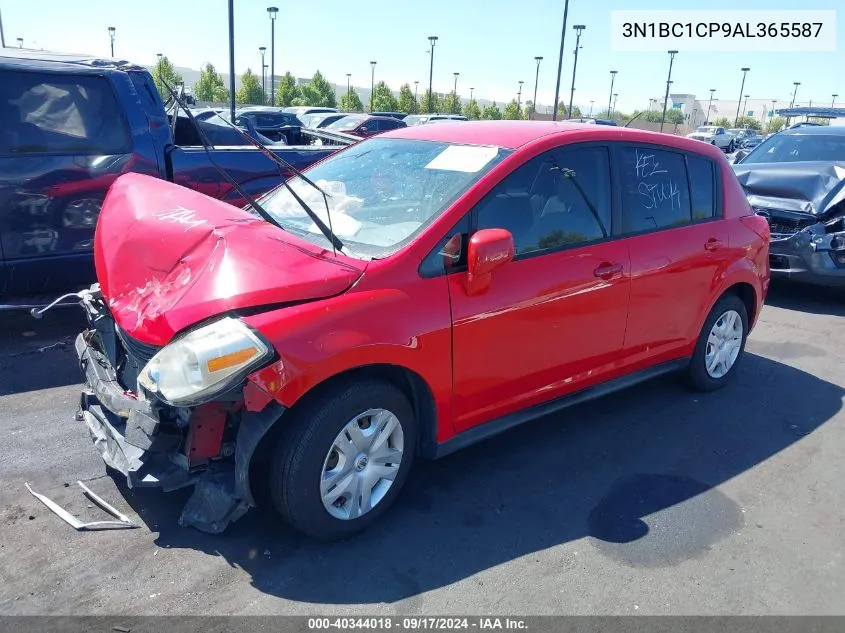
362,464
723,344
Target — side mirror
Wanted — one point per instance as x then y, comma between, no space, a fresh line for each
364,129
488,250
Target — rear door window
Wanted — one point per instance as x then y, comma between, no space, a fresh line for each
60,114
655,190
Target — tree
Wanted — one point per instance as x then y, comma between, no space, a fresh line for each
287,91
407,103
491,112
164,72
210,86
383,99
563,109
511,110
451,104
250,90
472,111
748,122
351,102
430,102
318,92
722,122
775,124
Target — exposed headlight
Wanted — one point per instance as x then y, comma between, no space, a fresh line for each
204,362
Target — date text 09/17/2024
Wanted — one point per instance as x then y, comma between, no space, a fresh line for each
416,623
721,29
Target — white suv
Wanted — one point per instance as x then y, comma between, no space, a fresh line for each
717,136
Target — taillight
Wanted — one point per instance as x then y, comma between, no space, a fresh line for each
758,224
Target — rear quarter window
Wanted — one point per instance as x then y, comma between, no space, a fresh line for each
60,114
702,187
655,190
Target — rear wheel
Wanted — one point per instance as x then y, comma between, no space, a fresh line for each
720,345
344,460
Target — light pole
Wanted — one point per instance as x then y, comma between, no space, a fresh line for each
372,83
578,28
834,95
416,87
262,50
741,89
538,59
470,94
111,37
231,60
158,73
432,39
519,99
560,60
455,90
610,94
668,83
591,108
615,96
707,117
795,92
20,42
272,11
745,105
348,85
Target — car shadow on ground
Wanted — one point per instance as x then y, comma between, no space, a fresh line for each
806,298
635,473
38,353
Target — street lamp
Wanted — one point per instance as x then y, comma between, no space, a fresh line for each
432,39
538,59
262,50
372,83
578,28
795,92
615,96
591,108
834,95
745,106
709,105
455,90
610,94
111,37
560,60
741,89
668,83
348,85
272,11
519,99
470,94
20,42
416,87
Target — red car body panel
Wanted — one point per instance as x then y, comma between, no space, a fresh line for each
167,257
481,356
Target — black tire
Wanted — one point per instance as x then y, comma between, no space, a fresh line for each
297,465
697,375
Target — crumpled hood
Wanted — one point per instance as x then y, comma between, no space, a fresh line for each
807,187
168,257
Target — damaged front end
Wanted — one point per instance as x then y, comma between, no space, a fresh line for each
206,441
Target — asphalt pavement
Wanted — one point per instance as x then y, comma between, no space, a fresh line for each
656,500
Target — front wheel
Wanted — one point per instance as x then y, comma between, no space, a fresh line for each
720,345
344,458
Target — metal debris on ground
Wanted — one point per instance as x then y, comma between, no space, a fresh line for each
123,522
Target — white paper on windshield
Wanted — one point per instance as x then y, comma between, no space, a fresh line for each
465,158
342,225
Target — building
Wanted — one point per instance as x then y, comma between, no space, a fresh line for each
694,108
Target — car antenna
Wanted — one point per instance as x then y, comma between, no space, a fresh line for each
634,118
325,230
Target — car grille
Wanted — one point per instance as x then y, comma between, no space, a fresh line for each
781,227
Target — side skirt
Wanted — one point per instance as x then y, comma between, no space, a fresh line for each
507,422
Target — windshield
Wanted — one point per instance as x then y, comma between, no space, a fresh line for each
706,129
381,192
793,148
346,122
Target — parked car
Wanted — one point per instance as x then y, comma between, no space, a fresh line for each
319,120
714,135
204,114
364,125
454,282
752,141
741,136
421,119
303,110
70,126
796,180
273,123
395,115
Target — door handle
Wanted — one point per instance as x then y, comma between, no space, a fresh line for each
608,270
713,244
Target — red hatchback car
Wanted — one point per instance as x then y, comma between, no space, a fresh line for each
455,281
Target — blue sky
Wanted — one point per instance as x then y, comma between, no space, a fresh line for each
492,43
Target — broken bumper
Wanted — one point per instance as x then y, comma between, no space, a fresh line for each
808,257
132,440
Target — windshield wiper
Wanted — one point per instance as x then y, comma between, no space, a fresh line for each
280,163
207,147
